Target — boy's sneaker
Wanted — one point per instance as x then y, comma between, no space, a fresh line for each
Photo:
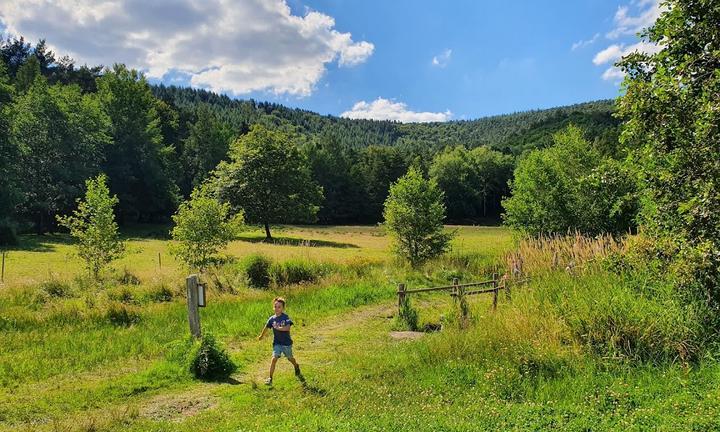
268,381
297,371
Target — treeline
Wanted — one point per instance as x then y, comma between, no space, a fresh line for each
62,124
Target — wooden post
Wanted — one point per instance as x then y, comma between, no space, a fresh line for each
401,296
159,261
456,282
2,275
495,292
193,311
506,286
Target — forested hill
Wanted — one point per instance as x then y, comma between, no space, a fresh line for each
509,133
61,125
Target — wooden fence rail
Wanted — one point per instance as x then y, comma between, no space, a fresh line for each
458,291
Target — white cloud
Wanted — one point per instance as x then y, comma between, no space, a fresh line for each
613,74
584,43
224,45
627,24
384,109
442,59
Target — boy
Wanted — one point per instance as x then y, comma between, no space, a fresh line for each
282,344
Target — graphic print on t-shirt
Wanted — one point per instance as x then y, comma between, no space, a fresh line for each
280,337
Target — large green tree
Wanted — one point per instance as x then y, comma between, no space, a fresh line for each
207,144
138,163
379,166
343,186
9,160
570,186
671,109
62,135
268,178
474,181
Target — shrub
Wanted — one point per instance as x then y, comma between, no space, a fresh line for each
121,316
93,226
408,316
209,361
296,271
257,270
122,295
203,227
161,293
56,288
127,278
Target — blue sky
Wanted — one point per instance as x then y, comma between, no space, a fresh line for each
414,60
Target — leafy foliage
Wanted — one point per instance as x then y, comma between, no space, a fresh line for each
267,178
571,187
414,214
257,270
93,226
203,226
672,113
209,361
473,181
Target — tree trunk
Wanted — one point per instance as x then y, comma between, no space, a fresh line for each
267,231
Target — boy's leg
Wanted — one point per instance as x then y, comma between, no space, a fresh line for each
272,366
295,364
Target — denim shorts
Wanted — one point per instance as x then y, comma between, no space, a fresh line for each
279,350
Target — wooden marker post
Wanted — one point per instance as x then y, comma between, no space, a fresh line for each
159,261
401,296
193,311
2,275
495,292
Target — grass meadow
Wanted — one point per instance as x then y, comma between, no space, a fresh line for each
580,346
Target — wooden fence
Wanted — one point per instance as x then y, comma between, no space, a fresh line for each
459,291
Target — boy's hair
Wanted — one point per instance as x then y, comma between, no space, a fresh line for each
279,299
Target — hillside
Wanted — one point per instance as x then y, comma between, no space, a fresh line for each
510,133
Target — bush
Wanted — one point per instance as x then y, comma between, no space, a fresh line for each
408,316
160,294
257,270
127,278
121,316
122,295
209,361
56,288
296,271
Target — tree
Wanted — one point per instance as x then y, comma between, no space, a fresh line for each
62,135
207,144
138,163
378,166
570,187
9,161
473,181
343,186
26,74
203,226
414,214
268,179
93,226
672,121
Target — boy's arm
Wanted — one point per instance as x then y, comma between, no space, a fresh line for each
262,334
285,328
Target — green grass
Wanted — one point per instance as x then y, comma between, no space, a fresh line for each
589,352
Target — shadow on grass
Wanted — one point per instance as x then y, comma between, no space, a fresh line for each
231,381
289,241
310,388
39,242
